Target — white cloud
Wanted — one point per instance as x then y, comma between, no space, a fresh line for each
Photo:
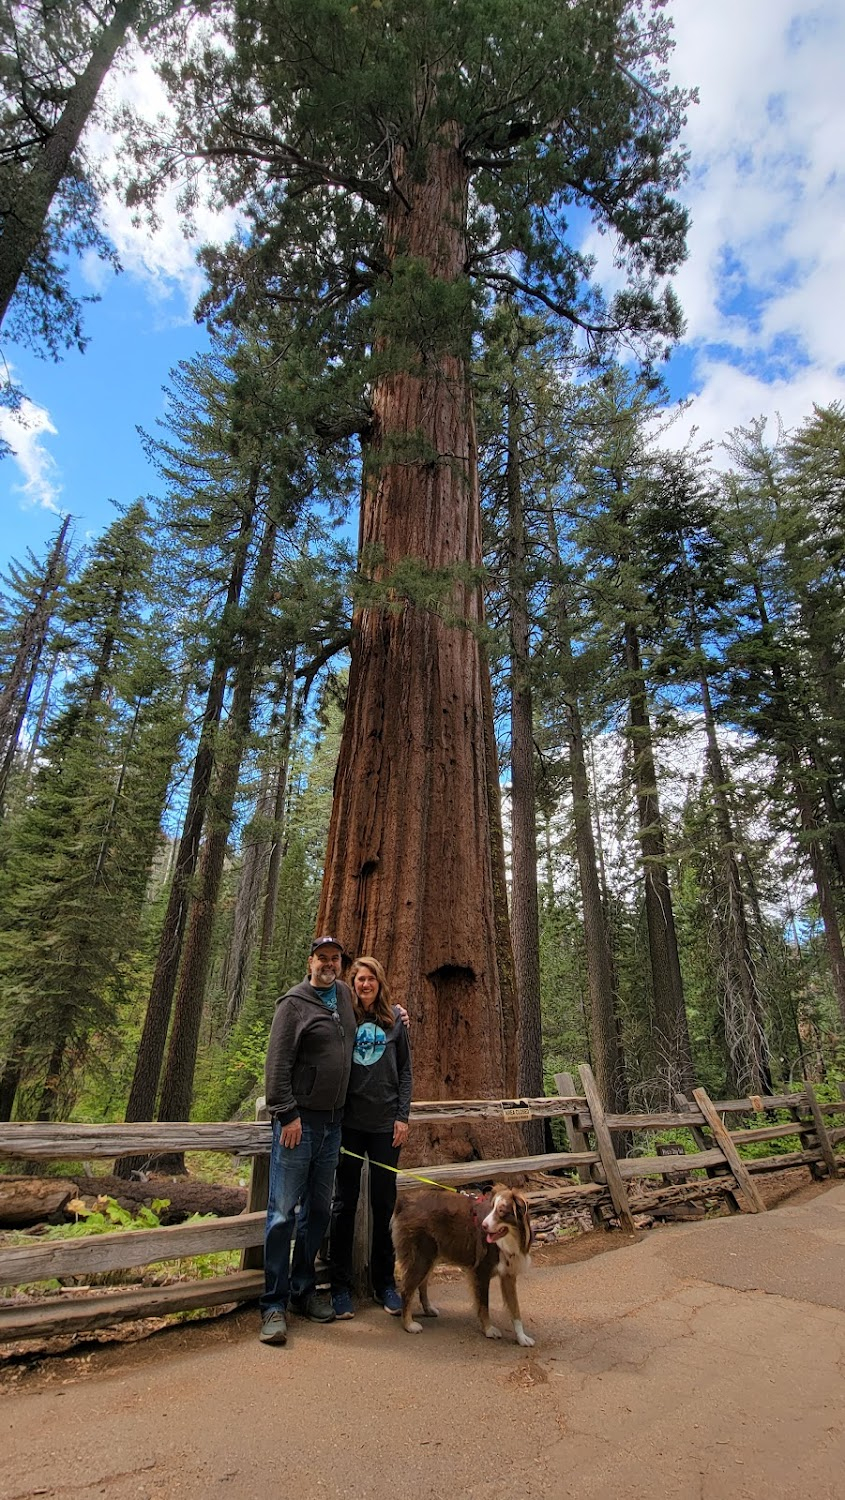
24,431
761,289
162,257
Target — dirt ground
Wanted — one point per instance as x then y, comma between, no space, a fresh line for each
691,1361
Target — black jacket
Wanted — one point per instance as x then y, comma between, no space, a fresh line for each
379,1091
309,1053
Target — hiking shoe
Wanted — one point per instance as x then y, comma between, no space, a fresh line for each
390,1300
342,1304
274,1328
316,1306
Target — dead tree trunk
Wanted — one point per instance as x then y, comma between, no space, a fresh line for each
410,869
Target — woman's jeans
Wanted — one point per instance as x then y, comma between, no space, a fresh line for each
303,1175
379,1147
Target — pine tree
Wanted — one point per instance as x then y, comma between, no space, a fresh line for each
80,851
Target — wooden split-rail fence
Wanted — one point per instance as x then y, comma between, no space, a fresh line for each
611,1187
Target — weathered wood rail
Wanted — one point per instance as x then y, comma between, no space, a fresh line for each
612,1189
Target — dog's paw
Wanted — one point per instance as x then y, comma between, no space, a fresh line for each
430,1312
412,1327
492,1332
524,1339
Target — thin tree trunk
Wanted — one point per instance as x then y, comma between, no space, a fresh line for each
605,1041
241,949
525,910
14,699
742,1004
674,1056
25,222
277,843
178,1081
142,1095
43,707
410,869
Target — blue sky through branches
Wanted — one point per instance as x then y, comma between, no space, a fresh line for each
761,289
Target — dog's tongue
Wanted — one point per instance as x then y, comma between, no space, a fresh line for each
492,1238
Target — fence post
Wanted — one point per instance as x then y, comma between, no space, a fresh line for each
703,1144
575,1137
363,1235
721,1138
604,1146
252,1258
821,1131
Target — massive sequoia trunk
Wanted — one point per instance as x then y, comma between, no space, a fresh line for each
411,860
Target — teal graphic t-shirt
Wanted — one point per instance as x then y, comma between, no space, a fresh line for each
370,1042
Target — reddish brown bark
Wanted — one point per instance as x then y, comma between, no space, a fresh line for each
410,866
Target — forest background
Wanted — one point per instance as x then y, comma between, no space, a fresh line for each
663,621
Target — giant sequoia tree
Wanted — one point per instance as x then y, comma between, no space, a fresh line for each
394,160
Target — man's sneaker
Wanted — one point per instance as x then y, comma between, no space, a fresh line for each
342,1304
274,1328
316,1306
390,1300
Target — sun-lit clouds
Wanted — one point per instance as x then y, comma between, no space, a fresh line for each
161,256
761,289
24,431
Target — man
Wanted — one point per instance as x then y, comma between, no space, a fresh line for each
309,1056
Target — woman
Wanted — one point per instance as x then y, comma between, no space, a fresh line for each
375,1124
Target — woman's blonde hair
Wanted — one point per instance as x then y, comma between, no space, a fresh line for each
382,1011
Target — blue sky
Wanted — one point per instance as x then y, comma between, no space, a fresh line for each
763,289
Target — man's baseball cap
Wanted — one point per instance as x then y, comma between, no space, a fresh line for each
325,942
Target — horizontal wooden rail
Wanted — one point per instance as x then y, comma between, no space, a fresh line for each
124,1249
650,1166
94,1142
759,1104
69,1142
440,1110
772,1132
81,1314
488,1171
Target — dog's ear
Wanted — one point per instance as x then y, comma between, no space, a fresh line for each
522,1219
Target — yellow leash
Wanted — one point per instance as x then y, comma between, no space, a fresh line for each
400,1171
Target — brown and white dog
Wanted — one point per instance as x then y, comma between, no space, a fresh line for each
488,1237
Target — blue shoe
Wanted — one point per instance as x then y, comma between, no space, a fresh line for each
342,1304
390,1300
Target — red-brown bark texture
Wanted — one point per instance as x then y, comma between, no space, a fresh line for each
413,871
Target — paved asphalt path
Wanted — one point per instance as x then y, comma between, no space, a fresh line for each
699,1362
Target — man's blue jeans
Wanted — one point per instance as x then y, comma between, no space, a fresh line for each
303,1175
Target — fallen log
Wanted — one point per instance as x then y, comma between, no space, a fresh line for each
26,1201
185,1196
33,1200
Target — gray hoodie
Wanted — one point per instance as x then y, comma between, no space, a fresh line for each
309,1053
